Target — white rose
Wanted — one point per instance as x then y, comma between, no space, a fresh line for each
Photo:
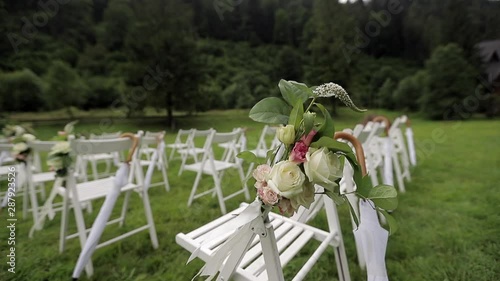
304,198
19,147
28,137
19,130
61,147
323,167
286,179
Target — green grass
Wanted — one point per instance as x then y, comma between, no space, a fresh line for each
449,217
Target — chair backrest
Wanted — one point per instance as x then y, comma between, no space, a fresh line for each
106,135
264,145
37,147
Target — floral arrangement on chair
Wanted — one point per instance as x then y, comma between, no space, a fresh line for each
59,158
309,154
21,150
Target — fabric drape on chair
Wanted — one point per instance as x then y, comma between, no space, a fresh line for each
373,242
102,218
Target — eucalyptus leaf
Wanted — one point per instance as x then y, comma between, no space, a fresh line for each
270,110
292,92
248,156
296,115
364,186
384,196
332,144
391,222
328,128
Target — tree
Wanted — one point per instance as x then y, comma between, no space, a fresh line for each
65,87
21,91
409,90
450,81
162,43
385,94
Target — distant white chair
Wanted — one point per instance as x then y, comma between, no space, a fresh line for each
215,167
410,140
192,151
180,142
279,240
267,141
401,159
155,144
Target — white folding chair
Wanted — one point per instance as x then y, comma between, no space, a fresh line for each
6,167
180,142
409,140
400,156
209,165
155,144
120,184
279,240
37,178
192,150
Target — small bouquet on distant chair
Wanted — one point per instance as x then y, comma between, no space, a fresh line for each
309,154
59,158
21,150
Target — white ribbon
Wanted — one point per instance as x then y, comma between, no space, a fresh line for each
235,246
411,146
102,218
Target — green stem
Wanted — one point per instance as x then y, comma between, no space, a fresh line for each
310,105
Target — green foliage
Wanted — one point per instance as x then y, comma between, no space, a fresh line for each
21,91
65,88
385,98
450,80
409,90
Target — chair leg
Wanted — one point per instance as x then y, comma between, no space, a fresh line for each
165,177
397,169
124,208
149,218
244,182
82,234
218,190
195,187
25,200
34,201
64,223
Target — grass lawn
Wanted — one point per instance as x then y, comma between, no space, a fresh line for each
449,217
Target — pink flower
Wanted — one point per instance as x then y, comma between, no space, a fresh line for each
307,140
268,196
261,172
286,207
299,151
301,147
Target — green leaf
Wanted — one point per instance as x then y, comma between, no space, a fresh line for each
308,122
332,144
384,196
327,129
270,110
293,92
391,222
296,115
303,87
248,156
363,186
